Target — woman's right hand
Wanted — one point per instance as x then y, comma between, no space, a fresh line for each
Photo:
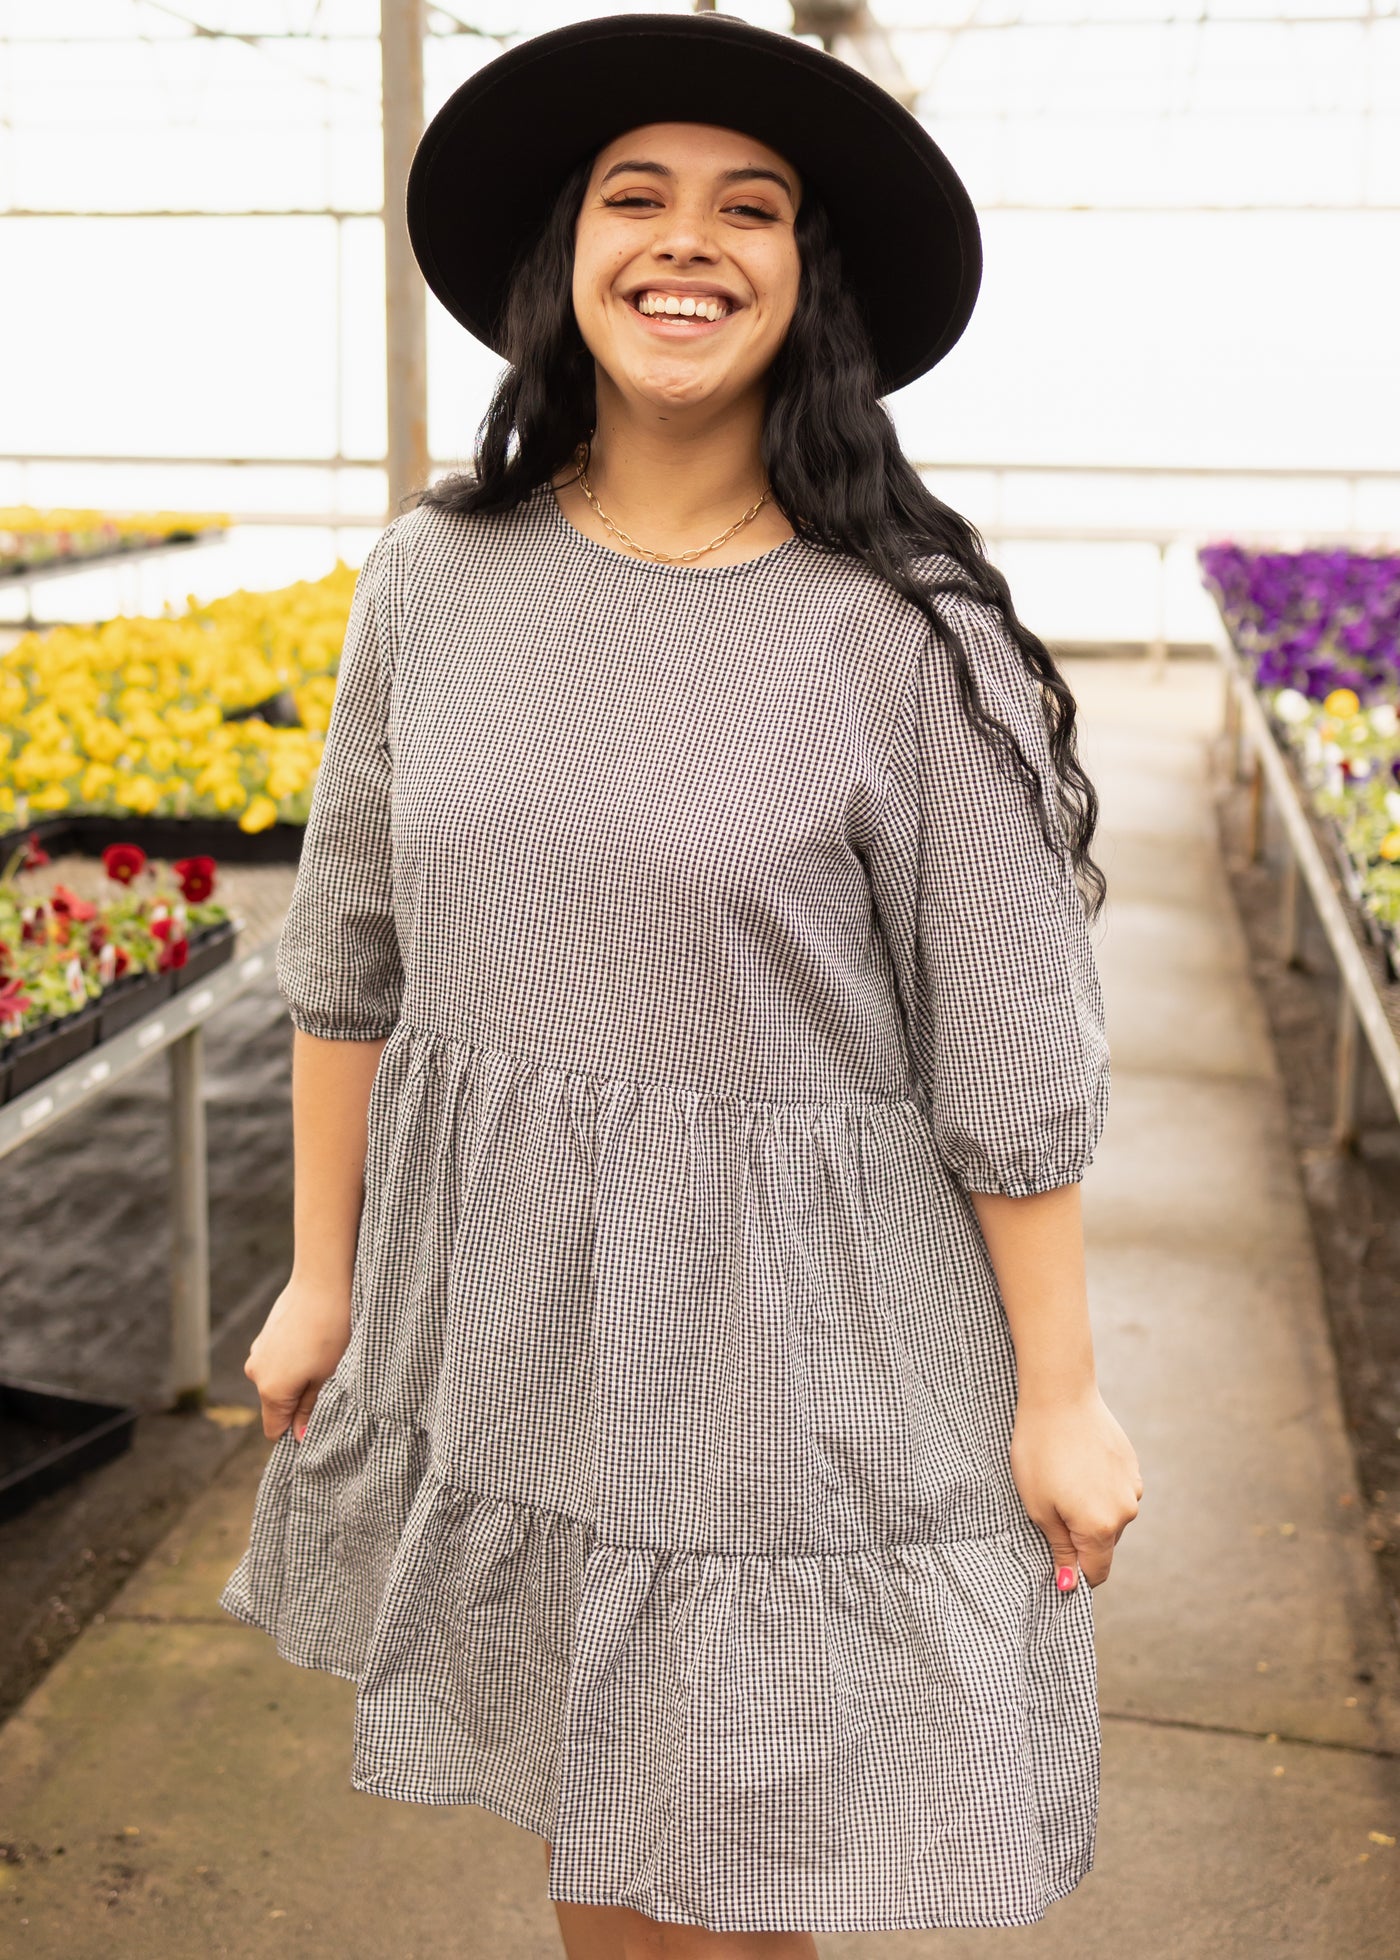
302,1340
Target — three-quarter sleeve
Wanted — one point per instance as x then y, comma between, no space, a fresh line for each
985,925
338,963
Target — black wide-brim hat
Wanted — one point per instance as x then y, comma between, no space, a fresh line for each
491,162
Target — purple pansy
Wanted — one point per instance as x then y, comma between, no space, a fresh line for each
1311,620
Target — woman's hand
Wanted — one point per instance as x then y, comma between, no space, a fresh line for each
1078,1477
303,1338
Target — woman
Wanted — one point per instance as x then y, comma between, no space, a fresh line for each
687,945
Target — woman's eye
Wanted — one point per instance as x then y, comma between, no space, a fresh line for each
748,210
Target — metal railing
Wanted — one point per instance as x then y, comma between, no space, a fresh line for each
1368,1004
177,1027
997,529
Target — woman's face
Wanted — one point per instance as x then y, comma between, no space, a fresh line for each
701,217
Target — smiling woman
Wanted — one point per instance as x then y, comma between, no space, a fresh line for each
674,214
713,1477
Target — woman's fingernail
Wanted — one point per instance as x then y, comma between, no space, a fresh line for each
1064,1578
301,1432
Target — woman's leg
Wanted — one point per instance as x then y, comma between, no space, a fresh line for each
618,1933
588,1932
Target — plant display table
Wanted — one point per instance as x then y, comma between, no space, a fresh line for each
174,1026
37,543
74,971
216,716
1310,648
47,1438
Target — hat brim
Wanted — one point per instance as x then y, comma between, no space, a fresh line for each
490,164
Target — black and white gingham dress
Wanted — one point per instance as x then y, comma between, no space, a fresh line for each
661,1501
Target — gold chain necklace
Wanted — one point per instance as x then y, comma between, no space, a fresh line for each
670,558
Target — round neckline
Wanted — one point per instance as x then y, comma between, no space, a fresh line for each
547,491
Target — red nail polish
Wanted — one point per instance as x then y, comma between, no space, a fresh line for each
301,1432
1064,1578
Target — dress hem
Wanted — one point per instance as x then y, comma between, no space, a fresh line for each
365,1563
530,1821
724,1923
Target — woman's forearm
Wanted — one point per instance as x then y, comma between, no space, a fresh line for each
331,1083
1036,1246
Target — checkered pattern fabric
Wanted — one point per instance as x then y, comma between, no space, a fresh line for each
661,1501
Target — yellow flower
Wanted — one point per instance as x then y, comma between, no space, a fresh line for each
285,779
96,783
216,777
261,812
54,797
105,740
33,766
136,793
1390,846
1341,702
89,708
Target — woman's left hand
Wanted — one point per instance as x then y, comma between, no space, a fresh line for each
1078,1478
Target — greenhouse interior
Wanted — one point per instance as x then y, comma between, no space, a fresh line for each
263,296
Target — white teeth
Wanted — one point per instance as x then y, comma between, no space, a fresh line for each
688,306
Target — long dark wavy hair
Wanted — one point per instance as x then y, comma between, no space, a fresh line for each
831,456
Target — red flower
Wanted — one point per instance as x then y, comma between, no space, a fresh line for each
196,875
176,952
123,961
13,998
35,854
68,902
123,862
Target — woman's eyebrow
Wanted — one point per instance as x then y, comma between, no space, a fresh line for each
726,176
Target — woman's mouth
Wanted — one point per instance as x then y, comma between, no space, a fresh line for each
681,316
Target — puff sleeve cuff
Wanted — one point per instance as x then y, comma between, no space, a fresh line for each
338,961
986,927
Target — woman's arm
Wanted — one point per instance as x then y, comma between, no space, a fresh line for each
308,1328
1037,1252
340,971
331,1083
1075,1469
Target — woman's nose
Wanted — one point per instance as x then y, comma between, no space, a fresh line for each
687,233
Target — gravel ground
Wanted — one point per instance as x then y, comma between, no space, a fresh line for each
1353,1196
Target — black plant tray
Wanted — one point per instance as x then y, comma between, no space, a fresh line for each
48,1438
29,1057
78,561
163,837
127,999
1391,945
38,1052
1379,934
211,946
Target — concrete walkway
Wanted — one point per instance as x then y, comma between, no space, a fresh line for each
173,1788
